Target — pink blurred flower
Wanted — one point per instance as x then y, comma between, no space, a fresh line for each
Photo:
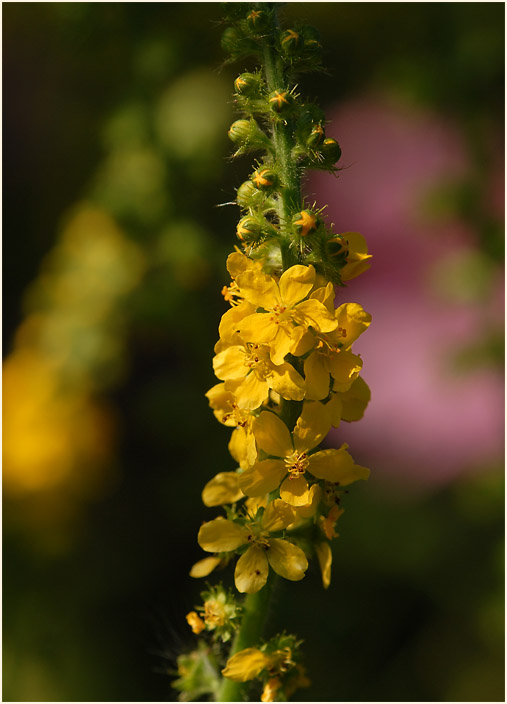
427,421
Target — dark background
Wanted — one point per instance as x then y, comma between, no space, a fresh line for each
124,108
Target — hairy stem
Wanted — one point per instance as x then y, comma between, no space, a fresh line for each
252,626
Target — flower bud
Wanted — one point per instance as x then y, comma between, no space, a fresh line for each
248,229
305,222
279,100
330,151
264,178
248,136
311,39
231,40
316,136
257,20
291,42
248,195
247,84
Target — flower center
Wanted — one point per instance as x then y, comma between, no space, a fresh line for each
257,358
296,464
281,314
239,415
214,613
232,293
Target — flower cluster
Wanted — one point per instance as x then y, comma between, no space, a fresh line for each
284,360
283,345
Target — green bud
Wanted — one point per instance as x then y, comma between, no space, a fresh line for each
257,20
248,229
248,195
264,178
316,137
330,151
231,40
337,247
291,42
248,136
279,100
247,84
311,39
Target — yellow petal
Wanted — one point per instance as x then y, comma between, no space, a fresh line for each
245,665
355,400
326,296
262,477
222,489
315,313
272,435
296,283
312,426
309,509
251,571
287,559
229,324
316,376
325,558
302,341
358,259
204,567
352,320
259,328
286,381
295,491
336,466
230,364
252,392
221,535
195,622
237,263
344,368
259,289
277,516
242,446
334,409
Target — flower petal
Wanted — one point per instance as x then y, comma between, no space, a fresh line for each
204,567
355,400
295,491
316,376
325,558
287,559
259,289
262,477
296,283
230,363
286,381
344,368
336,466
229,324
245,665
315,313
277,516
252,392
312,426
259,328
251,571
242,447
222,489
352,320
326,296
302,341
272,435
221,535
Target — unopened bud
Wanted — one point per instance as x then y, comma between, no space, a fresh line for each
279,100
316,137
264,179
305,222
248,229
247,84
330,150
291,42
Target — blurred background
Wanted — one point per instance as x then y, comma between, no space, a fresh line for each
115,158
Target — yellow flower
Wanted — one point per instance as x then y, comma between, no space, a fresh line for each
251,573
222,489
283,308
328,522
251,363
195,622
271,689
242,443
324,361
325,558
358,259
352,320
294,458
355,400
246,665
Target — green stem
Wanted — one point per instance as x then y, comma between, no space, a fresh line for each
290,200
255,610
